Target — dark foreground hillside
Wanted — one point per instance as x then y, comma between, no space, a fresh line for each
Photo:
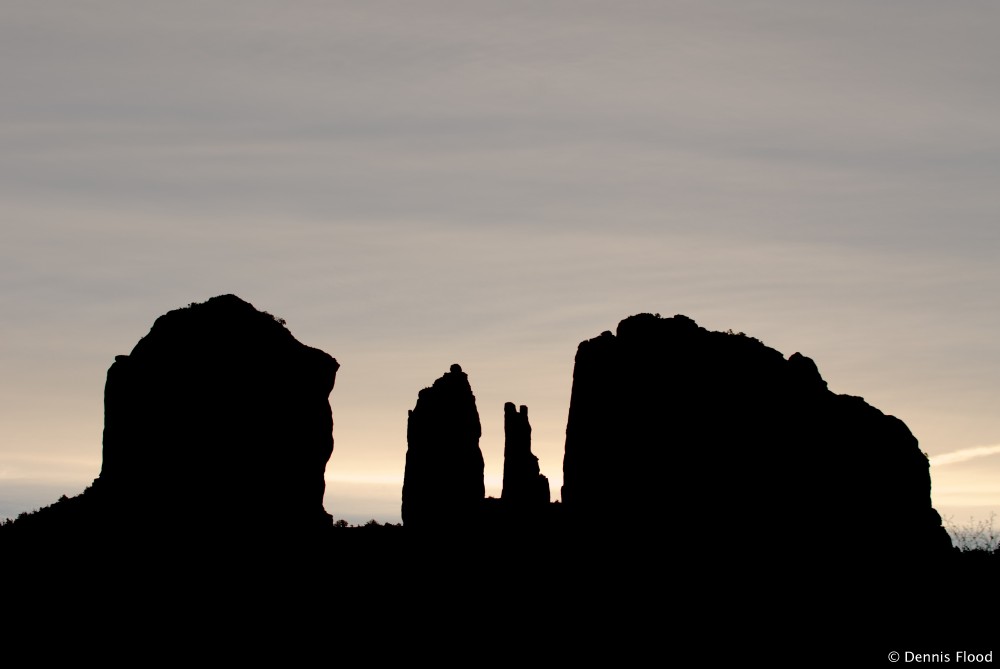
709,505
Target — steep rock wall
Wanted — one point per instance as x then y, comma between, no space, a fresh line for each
709,437
218,419
443,482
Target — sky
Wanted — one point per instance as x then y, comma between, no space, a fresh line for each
412,184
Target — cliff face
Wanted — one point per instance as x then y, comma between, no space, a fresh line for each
218,418
443,483
524,487
714,434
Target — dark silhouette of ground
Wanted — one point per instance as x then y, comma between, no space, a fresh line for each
443,482
719,502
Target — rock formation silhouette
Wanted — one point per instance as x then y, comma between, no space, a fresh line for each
443,482
694,461
714,436
524,487
218,424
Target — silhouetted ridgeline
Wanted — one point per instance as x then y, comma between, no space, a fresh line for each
705,474
219,423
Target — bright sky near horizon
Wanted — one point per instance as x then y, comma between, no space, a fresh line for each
416,184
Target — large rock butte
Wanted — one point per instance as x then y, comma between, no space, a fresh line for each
716,439
218,420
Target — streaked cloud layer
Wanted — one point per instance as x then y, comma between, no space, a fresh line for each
964,455
412,184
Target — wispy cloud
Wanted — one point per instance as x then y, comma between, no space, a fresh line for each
964,454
